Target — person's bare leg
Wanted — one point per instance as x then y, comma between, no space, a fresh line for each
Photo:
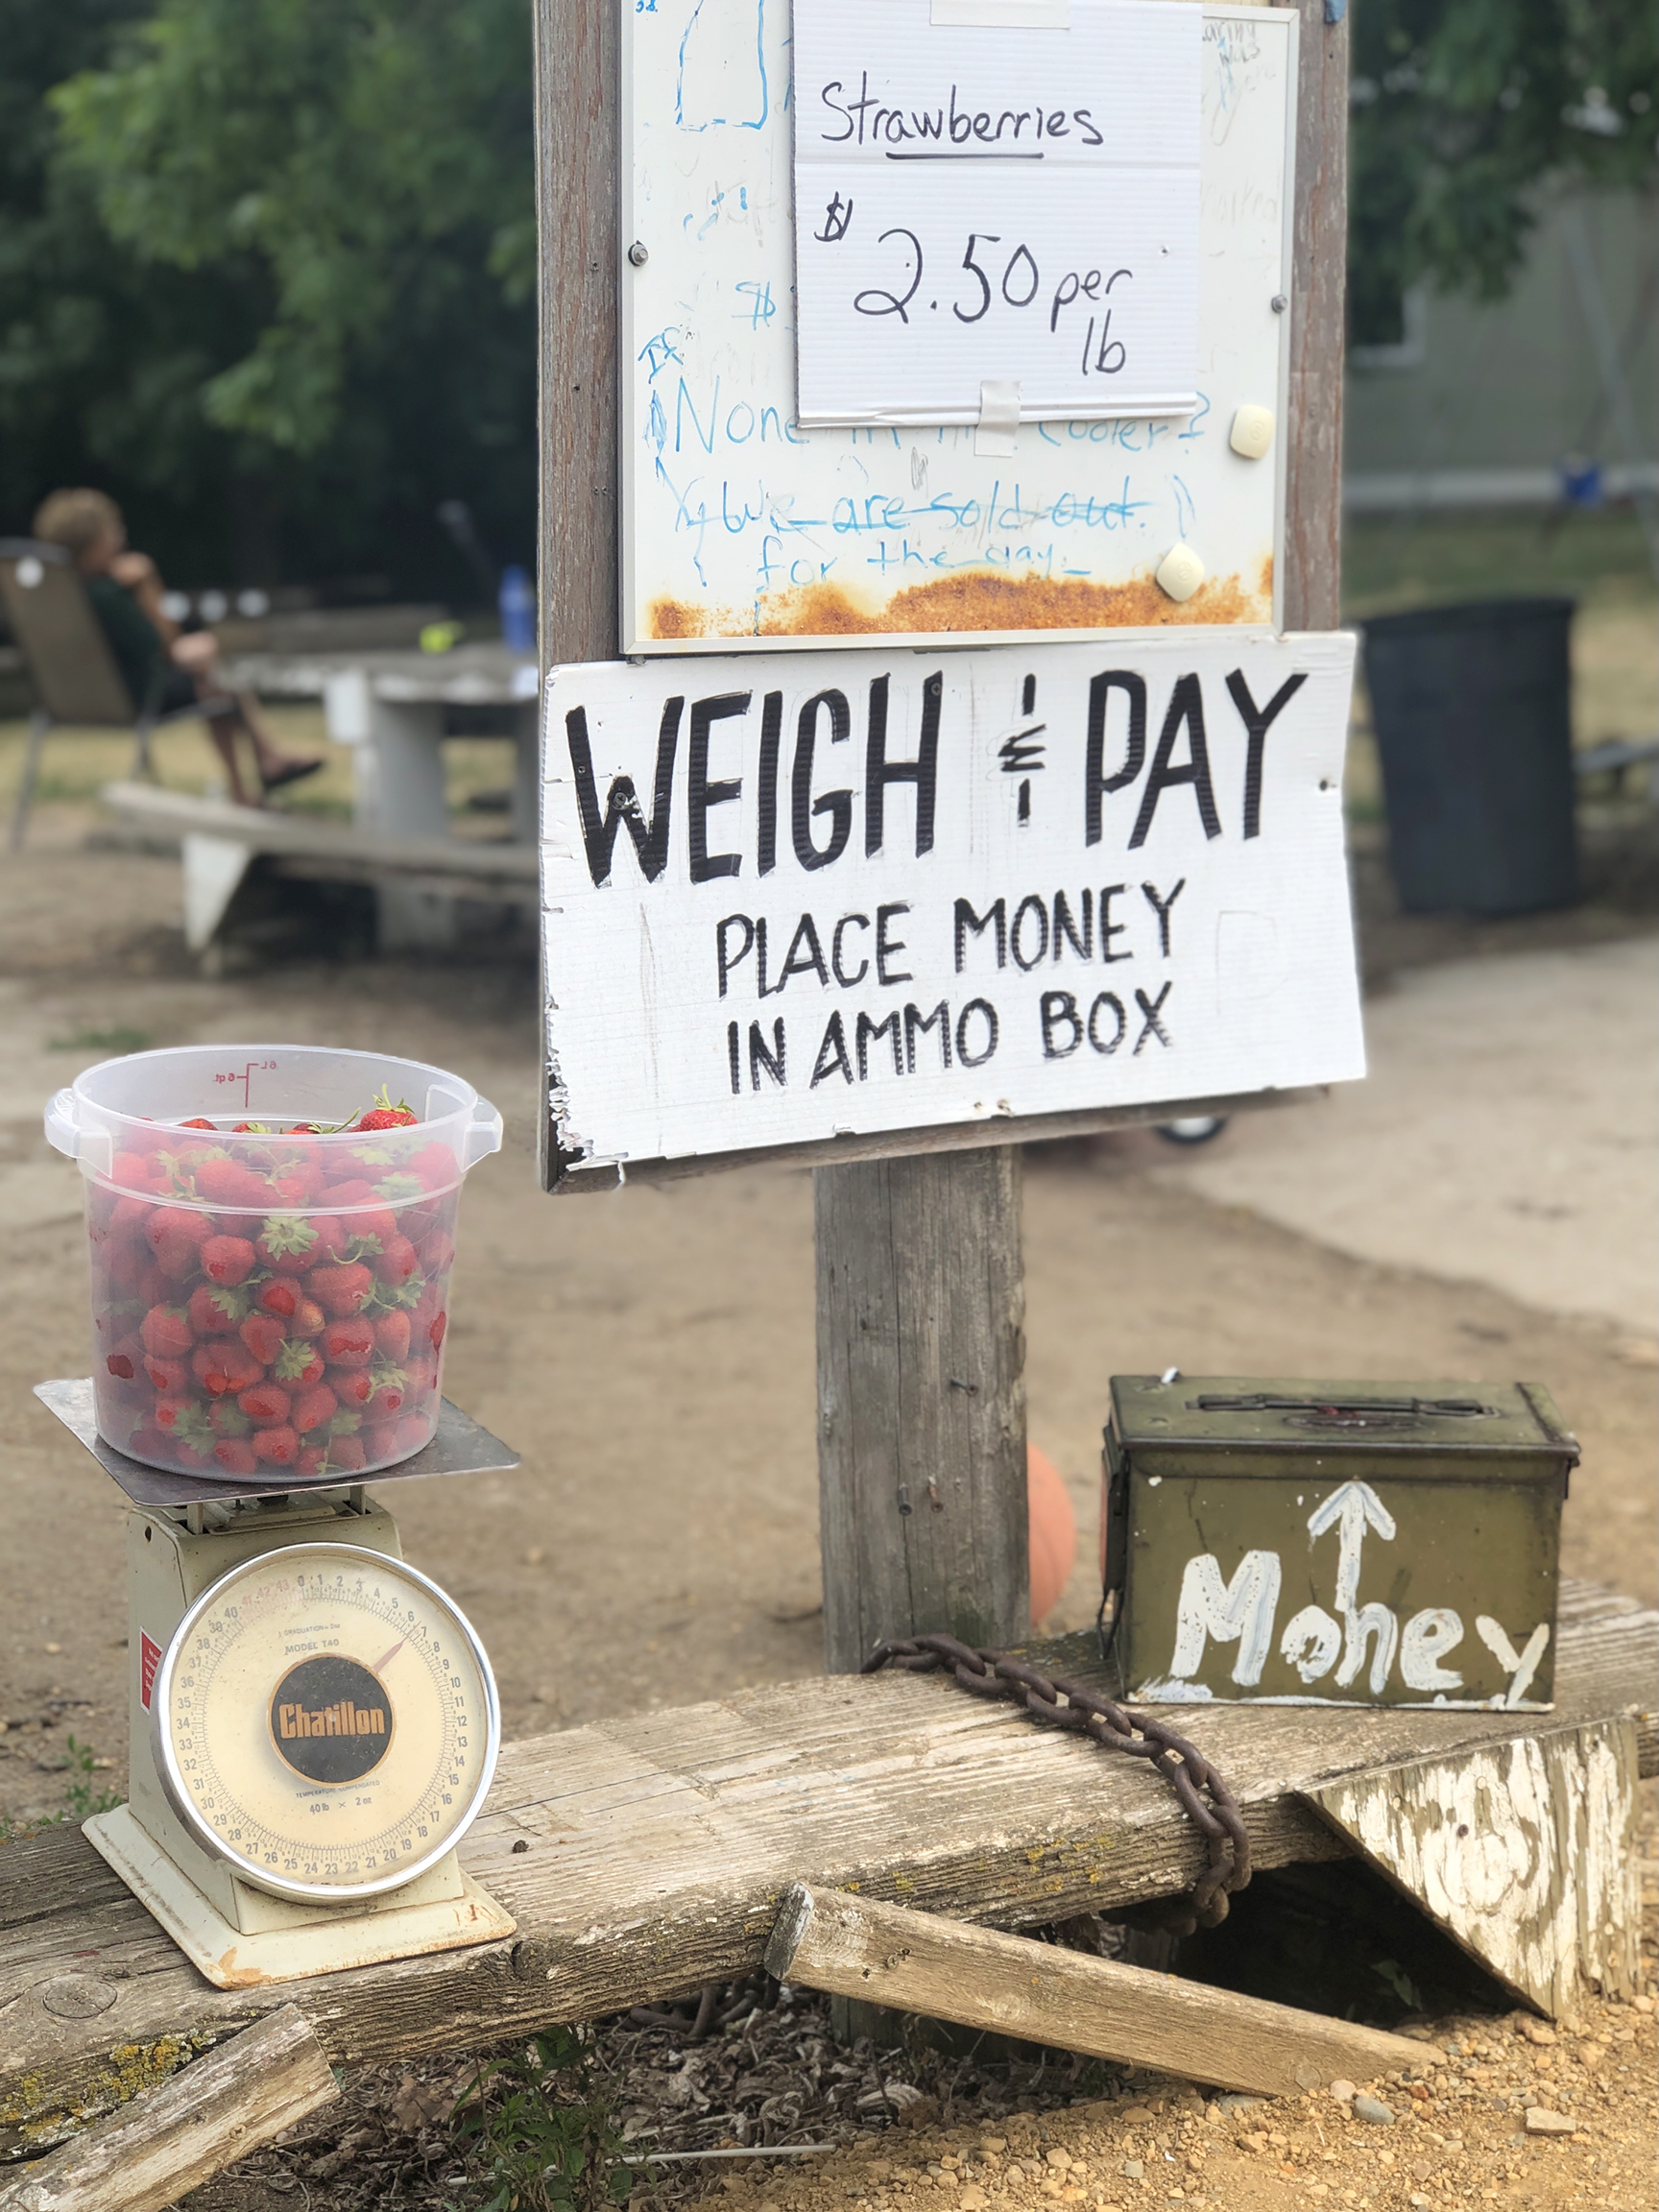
266,751
223,729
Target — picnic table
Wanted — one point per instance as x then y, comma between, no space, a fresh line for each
390,707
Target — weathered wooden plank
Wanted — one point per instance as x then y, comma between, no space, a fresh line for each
577,47
656,1851
1319,291
299,837
921,1400
171,2139
936,1136
1009,1986
1524,1852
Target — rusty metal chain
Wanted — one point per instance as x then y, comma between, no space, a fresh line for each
1058,1703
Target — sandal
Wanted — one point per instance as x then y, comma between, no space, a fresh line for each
290,772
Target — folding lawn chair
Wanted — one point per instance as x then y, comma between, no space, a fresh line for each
70,664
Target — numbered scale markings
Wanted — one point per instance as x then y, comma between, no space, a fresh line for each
327,1721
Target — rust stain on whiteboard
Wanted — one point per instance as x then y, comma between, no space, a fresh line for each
972,603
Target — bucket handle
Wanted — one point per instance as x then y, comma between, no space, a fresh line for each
64,1134
483,1133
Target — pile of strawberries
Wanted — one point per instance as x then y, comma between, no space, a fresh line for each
273,1306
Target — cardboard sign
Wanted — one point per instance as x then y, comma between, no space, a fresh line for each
744,531
790,898
995,222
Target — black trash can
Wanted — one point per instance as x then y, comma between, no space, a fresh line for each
1471,708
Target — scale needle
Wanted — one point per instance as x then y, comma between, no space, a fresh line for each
385,1660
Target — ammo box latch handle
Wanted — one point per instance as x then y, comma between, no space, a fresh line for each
1262,1401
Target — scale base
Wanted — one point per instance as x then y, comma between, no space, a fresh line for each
311,1945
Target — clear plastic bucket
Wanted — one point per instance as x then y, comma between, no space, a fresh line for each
270,1281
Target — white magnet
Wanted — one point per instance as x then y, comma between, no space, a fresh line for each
1180,572
1252,432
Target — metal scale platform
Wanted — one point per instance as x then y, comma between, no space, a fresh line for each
314,1724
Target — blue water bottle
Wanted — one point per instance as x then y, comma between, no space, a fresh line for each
516,602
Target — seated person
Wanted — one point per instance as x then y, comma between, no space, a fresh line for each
165,667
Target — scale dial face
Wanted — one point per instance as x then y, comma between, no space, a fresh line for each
325,1722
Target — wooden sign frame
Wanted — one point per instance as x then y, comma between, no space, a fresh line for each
919,1292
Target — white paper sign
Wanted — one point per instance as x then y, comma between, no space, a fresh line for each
984,205
792,896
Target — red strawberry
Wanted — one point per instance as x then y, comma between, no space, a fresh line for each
264,1336
349,1343
397,1261
196,1123
215,1312
121,1363
184,1420
297,1363
182,1223
383,1115
308,1319
179,1260
414,1433
235,1455
171,1378
122,1260
377,1221
391,1337
297,1183
380,1440
347,1455
313,1407
435,1164
276,1447
313,1460
390,1387
340,1289
439,1323
436,1251
128,1168
355,1191
423,1380
166,1329
265,1403
282,1296
288,1243
302,1129
228,1182
352,1385
154,1288
225,1366
228,1258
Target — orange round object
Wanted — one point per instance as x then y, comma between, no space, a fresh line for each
1053,1531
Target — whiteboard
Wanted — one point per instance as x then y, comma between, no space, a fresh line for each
740,530
995,224
794,896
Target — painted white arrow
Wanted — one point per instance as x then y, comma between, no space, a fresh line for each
1351,1509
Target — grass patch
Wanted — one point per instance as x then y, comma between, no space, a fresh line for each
116,1040
1405,560
540,2127
84,1794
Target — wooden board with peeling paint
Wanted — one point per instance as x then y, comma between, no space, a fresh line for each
740,529
1524,1852
791,900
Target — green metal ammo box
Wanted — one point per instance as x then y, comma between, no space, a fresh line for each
1298,1543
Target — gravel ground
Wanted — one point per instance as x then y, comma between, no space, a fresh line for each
1504,2108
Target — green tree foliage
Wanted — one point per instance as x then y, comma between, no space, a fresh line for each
1462,110
277,273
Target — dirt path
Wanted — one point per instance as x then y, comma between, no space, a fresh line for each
652,1356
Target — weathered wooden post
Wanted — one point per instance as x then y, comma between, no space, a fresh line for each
742,448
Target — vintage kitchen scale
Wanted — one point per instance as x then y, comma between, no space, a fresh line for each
314,1723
